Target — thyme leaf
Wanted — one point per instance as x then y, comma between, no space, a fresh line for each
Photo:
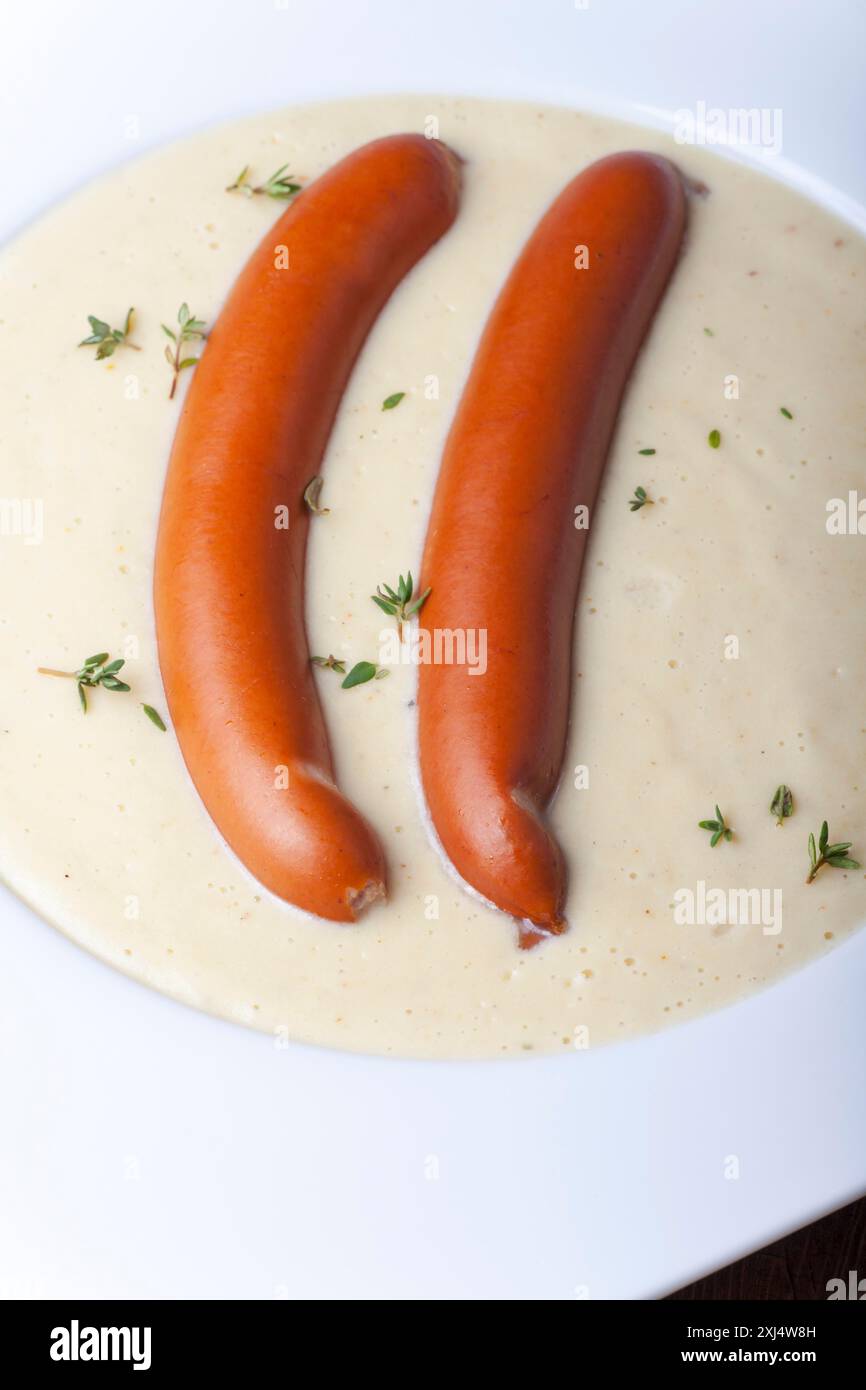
782,804
154,717
312,494
362,672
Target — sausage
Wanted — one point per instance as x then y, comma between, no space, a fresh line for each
503,555
229,577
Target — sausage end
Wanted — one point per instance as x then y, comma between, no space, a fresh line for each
358,900
530,934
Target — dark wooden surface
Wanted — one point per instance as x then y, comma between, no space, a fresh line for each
797,1267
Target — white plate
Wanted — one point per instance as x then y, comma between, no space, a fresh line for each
150,1151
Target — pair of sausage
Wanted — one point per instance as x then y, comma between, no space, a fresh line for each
502,554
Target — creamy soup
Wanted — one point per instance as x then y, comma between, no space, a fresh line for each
719,644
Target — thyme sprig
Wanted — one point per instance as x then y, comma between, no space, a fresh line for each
329,663
721,830
106,339
639,500
399,603
836,856
361,672
96,670
279,185
189,330
100,670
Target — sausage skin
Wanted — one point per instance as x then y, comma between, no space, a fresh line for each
229,580
503,555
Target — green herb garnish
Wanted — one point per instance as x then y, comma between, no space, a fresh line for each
720,830
709,332
96,670
646,451
362,672
107,340
399,603
279,185
639,500
312,494
99,670
783,410
782,804
390,401
714,439
189,329
835,855
154,717
329,663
